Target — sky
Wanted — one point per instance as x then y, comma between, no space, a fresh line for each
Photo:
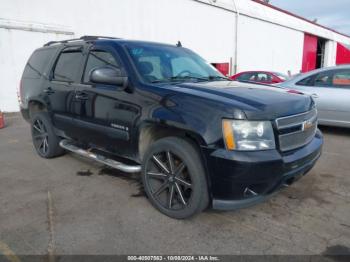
331,13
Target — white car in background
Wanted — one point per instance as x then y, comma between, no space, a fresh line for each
330,88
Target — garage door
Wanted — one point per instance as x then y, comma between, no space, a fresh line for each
309,53
343,54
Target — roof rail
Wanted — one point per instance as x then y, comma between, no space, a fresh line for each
83,38
96,37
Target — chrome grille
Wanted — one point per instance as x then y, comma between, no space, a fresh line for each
296,130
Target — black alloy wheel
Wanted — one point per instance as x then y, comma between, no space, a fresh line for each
174,178
45,141
40,137
169,180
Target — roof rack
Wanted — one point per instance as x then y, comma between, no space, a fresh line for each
83,38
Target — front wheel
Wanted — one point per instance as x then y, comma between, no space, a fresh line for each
174,178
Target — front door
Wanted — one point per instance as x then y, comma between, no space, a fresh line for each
108,114
331,92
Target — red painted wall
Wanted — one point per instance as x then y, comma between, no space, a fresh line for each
343,55
222,67
310,52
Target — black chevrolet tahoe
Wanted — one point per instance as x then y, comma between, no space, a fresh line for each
198,139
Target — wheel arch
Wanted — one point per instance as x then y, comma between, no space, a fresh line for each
150,132
36,105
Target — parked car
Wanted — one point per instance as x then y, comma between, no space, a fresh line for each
330,88
199,139
263,77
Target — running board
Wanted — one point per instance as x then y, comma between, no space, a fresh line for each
66,144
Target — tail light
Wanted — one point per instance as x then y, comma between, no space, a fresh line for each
2,120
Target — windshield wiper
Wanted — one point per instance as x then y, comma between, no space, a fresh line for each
175,78
183,78
179,78
219,77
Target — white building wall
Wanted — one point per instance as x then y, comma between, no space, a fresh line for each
252,9
200,27
208,31
267,39
266,46
15,48
330,53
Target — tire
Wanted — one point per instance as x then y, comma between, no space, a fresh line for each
178,190
45,141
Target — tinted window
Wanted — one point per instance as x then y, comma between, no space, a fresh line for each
306,81
341,78
68,65
245,77
256,77
37,63
324,79
98,59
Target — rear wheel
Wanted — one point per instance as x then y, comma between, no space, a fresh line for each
45,141
174,178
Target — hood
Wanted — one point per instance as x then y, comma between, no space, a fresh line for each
258,102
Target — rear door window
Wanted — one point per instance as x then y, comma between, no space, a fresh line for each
263,77
259,77
38,62
341,78
68,65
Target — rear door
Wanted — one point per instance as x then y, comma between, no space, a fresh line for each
60,90
108,114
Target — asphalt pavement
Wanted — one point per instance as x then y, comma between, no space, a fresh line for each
71,205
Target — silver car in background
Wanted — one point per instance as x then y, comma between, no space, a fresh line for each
330,88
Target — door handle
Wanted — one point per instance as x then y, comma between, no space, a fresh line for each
314,95
81,96
49,91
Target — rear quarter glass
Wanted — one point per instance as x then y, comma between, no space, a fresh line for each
38,62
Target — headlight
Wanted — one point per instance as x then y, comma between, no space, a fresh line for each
246,135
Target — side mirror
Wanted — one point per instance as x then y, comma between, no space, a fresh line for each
108,75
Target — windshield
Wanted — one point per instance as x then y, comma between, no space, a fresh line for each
282,76
160,63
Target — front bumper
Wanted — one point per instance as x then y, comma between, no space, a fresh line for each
242,179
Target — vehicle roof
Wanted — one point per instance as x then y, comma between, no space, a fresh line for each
94,39
140,42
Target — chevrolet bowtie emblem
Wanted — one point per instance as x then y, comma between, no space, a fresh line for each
307,124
